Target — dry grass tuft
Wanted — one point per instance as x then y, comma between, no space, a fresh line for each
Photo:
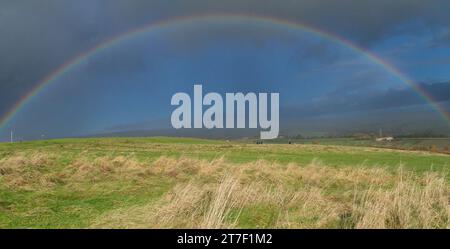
221,204
218,194
22,171
412,203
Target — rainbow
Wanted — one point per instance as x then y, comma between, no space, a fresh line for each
77,60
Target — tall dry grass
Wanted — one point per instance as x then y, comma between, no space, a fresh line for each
23,171
216,194
219,194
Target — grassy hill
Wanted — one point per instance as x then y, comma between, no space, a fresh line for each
184,182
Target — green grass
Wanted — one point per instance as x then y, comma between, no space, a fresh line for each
424,144
72,206
65,207
151,148
256,216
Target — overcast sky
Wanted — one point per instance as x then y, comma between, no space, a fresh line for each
131,83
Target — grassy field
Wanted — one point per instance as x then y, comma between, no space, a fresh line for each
441,145
182,182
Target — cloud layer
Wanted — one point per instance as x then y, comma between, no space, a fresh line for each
38,36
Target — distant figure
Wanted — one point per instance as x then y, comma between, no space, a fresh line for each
290,142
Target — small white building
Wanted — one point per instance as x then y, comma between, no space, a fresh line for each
381,139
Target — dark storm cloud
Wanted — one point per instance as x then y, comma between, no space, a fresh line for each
350,101
364,21
38,36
